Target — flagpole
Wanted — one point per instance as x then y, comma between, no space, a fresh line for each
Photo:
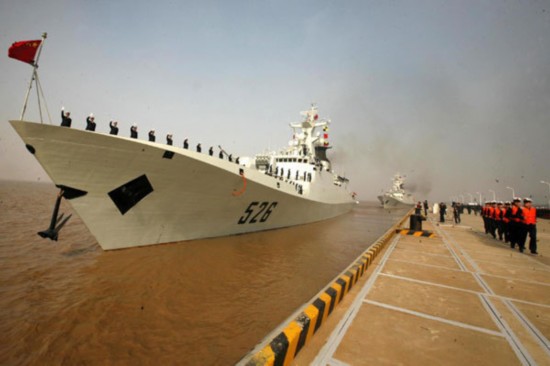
33,77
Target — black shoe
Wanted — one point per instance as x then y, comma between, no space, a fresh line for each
535,253
521,250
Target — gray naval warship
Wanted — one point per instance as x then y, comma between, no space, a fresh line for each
396,196
130,192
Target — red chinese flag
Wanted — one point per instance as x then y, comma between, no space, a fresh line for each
24,50
325,135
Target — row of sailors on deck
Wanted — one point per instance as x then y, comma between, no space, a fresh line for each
66,121
512,222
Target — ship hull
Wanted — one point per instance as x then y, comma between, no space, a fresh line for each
179,195
389,201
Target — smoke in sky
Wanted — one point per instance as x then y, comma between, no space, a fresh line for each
453,95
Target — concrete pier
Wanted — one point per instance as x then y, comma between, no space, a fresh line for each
459,298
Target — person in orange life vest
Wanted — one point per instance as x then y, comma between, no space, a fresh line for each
484,217
491,219
530,224
506,221
516,226
498,220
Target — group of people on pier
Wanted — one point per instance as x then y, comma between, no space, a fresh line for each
66,121
512,222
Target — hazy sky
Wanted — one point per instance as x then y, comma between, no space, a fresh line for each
454,94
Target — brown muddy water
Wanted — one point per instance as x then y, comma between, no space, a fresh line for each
202,302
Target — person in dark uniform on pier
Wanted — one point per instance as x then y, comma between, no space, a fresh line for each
442,211
506,221
230,157
220,155
90,122
516,218
530,224
152,137
484,217
65,118
456,212
418,208
134,131
169,140
498,220
186,144
211,151
491,219
199,148
114,128
426,207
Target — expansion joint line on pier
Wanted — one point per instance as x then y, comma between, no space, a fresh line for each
449,248
523,355
325,354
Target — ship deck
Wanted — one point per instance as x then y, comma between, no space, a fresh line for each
458,298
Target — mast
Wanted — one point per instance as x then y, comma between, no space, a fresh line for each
34,78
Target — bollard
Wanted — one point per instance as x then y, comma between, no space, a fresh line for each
415,222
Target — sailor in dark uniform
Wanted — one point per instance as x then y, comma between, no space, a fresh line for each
211,151
199,148
169,140
220,155
114,128
90,123
152,137
134,131
185,144
65,118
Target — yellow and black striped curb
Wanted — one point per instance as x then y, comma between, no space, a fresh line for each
281,349
425,233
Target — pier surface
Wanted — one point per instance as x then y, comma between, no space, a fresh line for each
459,298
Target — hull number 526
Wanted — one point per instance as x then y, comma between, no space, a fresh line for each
257,212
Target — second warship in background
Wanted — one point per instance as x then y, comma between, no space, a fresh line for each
396,196
131,193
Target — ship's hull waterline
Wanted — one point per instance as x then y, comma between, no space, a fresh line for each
181,194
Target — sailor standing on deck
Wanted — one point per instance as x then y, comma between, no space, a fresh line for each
65,118
152,137
134,131
169,140
114,128
530,224
90,122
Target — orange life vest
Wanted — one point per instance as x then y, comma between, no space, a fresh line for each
516,214
497,214
490,212
529,215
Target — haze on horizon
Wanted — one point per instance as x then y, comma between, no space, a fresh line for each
455,95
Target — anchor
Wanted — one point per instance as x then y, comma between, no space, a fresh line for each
56,223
